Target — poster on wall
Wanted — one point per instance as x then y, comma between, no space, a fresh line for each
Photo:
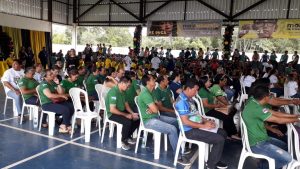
184,28
282,28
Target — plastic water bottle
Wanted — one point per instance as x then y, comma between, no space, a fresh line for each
35,121
143,143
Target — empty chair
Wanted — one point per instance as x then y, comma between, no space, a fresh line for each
85,115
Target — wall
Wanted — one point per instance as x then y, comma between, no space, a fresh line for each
24,23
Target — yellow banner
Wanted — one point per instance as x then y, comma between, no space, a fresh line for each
283,28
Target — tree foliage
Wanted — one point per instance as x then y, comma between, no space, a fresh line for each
121,37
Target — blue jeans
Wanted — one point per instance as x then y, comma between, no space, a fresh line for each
66,109
166,125
33,100
18,100
275,149
169,114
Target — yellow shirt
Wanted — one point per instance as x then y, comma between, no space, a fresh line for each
133,65
107,63
113,64
9,61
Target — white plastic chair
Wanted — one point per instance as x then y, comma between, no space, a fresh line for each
156,135
98,105
5,103
79,113
51,116
32,109
202,147
293,144
111,125
246,151
201,111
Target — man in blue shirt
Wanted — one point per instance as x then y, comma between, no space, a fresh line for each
195,126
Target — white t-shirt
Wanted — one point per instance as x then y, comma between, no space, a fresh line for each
38,77
142,53
265,75
109,51
292,88
128,62
12,77
273,80
203,64
155,62
248,80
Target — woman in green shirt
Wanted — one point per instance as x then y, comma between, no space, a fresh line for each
27,86
209,107
70,82
53,100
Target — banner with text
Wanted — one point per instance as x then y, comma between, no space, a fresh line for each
282,28
184,28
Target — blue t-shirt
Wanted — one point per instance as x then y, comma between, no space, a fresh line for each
184,106
174,87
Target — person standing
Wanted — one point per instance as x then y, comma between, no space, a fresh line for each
29,58
43,56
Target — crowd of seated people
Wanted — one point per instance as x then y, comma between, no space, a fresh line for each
160,81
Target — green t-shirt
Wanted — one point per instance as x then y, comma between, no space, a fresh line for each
164,96
80,80
204,94
45,85
67,85
131,92
101,79
254,116
273,57
144,99
27,84
91,83
217,91
115,97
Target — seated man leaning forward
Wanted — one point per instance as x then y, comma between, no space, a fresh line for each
255,115
118,110
151,118
194,128
163,97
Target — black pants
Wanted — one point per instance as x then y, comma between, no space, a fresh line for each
32,100
66,109
129,126
216,139
228,123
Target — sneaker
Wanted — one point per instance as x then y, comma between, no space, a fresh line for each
221,165
131,141
184,161
125,146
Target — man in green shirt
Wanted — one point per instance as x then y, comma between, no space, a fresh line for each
150,117
81,76
91,81
163,97
102,75
216,89
255,115
132,91
119,110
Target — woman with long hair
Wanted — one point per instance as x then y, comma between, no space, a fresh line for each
210,106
